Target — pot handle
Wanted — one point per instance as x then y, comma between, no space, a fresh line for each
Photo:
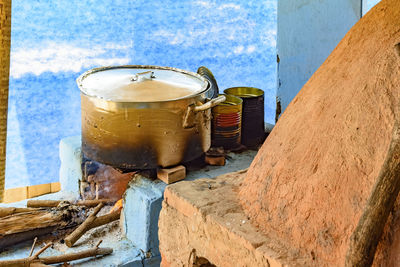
139,77
210,104
189,119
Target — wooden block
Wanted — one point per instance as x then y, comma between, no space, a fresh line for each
38,190
55,187
215,161
172,175
15,194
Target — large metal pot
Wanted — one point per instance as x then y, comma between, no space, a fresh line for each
140,117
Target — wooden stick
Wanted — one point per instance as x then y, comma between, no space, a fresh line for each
98,221
42,203
15,263
41,250
366,236
7,211
38,264
98,243
54,203
78,255
58,259
102,220
33,246
75,235
97,191
26,261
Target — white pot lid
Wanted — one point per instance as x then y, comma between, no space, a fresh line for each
140,83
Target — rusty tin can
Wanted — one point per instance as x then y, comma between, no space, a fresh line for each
226,123
253,132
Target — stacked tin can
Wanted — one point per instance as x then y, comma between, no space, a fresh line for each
239,119
252,133
226,123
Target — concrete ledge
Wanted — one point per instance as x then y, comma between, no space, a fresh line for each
204,216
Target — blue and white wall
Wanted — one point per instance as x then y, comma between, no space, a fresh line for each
54,41
308,31
368,4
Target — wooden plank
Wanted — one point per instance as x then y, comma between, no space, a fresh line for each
15,194
55,187
25,192
5,38
38,190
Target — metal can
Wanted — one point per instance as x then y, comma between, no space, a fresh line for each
226,123
253,132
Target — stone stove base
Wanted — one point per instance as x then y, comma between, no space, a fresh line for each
135,240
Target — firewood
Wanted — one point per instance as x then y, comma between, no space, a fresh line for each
33,246
38,264
6,211
54,203
98,221
41,251
78,232
97,191
25,226
77,256
98,243
31,261
105,219
366,236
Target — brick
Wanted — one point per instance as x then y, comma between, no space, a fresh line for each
215,161
172,175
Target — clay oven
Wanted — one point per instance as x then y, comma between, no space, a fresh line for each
309,184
